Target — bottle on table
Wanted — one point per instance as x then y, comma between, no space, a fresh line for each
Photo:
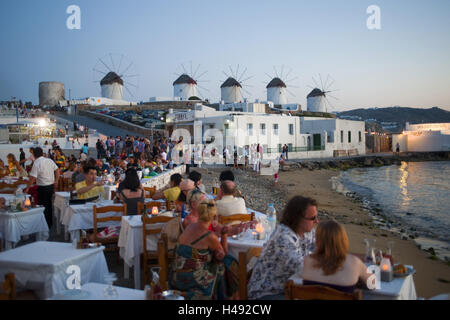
271,217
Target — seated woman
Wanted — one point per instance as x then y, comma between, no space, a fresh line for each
201,260
88,188
283,254
331,265
185,186
69,172
132,192
171,193
3,169
15,169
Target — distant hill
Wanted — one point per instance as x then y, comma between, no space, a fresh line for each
392,117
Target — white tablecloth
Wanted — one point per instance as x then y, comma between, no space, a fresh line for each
246,242
60,204
96,292
42,266
81,217
14,225
397,289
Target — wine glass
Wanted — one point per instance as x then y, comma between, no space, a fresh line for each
110,292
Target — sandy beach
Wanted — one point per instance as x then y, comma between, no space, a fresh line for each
432,277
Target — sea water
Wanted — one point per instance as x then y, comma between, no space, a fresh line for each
415,196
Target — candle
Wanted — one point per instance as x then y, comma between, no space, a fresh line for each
155,210
27,202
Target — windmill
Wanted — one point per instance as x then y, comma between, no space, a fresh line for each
317,100
115,72
187,83
231,88
277,88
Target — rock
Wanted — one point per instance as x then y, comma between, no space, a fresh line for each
431,251
404,238
409,214
368,162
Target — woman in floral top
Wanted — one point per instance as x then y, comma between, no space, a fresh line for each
283,254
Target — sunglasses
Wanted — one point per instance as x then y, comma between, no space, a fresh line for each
311,218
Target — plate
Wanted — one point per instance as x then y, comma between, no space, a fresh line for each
74,294
402,275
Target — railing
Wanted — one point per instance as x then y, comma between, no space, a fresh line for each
296,149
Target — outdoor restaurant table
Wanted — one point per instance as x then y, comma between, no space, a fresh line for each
78,217
397,289
131,246
42,266
14,225
60,203
95,291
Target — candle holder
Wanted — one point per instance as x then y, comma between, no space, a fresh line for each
387,272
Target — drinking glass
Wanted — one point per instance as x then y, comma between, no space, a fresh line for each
370,251
110,292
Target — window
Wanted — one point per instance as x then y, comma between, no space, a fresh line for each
226,126
290,147
263,129
280,147
330,137
291,129
250,129
359,136
275,129
342,136
349,136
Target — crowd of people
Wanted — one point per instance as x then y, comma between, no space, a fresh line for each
195,235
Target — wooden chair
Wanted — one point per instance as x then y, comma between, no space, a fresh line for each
147,221
316,292
113,195
8,288
101,210
147,207
163,261
244,274
149,192
236,217
170,205
67,184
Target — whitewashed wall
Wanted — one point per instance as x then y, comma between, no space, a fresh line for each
277,95
112,91
185,90
231,94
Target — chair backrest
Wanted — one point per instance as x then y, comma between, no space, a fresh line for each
149,191
244,274
170,205
147,207
65,184
147,221
163,261
8,288
100,210
245,217
316,292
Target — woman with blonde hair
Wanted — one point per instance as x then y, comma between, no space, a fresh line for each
331,264
201,260
15,169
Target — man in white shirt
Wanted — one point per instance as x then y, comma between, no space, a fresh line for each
45,174
228,203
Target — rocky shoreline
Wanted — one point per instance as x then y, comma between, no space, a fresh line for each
367,161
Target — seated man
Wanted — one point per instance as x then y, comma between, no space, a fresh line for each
102,166
228,175
88,188
228,203
173,192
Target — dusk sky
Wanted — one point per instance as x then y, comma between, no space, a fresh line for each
406,63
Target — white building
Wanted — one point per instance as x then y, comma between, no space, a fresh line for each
112,86
305,137
276,91
315,101
185,87
424,137
244,106
230,91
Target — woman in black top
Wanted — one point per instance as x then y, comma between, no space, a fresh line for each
131,192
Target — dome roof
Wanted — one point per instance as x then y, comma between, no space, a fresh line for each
184,78
231,82
111,78
276,82
315,93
